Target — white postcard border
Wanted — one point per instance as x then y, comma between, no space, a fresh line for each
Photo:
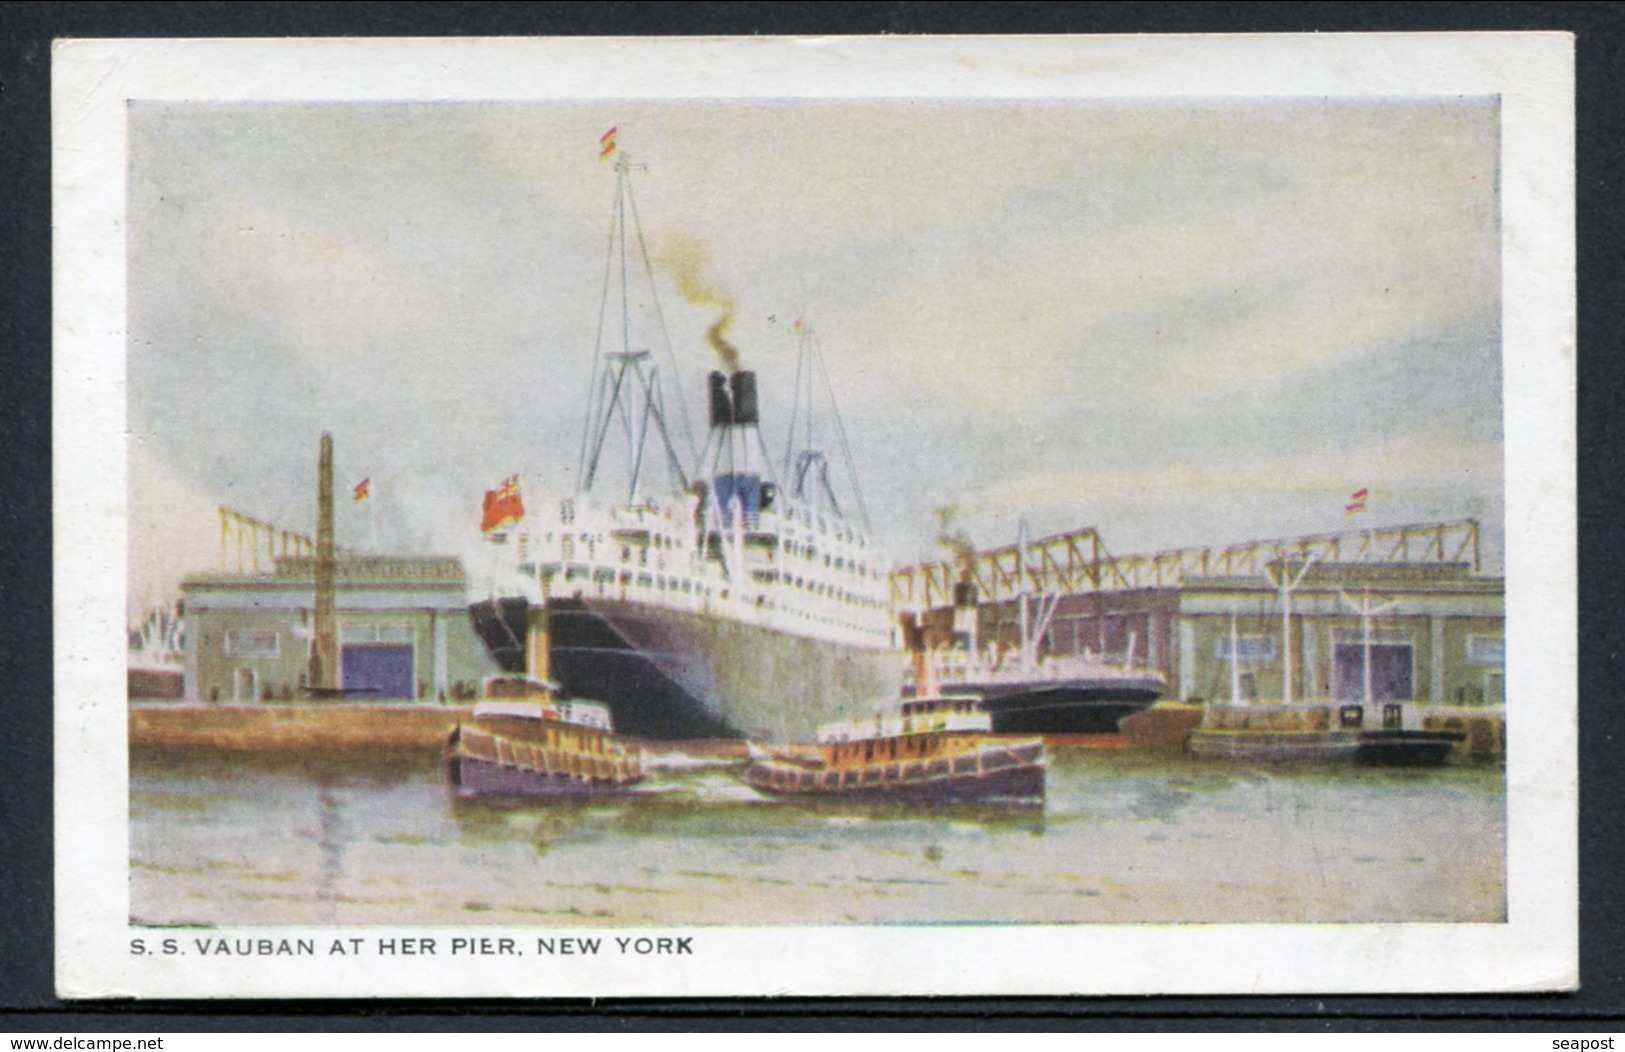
1533,74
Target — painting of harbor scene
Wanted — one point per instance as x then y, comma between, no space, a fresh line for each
1140,431
672,514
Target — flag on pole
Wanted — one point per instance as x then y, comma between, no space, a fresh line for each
1356,502
606,143
502,505
362,490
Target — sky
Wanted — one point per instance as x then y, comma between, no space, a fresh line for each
1181,323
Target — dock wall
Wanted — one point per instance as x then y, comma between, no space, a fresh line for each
1165,725
273,727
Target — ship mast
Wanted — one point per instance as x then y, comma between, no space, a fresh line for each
627,398
1285,588
807,466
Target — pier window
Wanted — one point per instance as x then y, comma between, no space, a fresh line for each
1486,650
252,644
1249,650
370,633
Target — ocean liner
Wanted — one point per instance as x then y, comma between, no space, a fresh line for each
742,601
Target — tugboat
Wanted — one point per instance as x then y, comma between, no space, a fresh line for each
936,750
524,744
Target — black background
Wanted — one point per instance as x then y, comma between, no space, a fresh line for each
27,998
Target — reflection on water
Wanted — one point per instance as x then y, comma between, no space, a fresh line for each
344,838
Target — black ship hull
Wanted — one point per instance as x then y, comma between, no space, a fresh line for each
675,674
1401,748
1062,707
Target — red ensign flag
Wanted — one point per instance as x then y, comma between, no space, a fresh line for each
502,505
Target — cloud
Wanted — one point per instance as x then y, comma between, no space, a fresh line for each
325,293
1016,302
1416,463
1421,477
174,531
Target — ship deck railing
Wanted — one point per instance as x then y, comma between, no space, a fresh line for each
962,665
786,608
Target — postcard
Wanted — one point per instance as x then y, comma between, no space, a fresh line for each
814,516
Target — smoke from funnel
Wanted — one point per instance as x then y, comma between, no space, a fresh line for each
957,541
686,264
716,335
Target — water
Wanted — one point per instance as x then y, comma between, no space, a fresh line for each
376,839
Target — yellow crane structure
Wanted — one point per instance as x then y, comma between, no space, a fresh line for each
1077,562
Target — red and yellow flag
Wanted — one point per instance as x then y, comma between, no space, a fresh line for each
1356,502
502,505
606,143
361,490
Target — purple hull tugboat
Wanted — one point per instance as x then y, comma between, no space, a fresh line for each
938,750
522,743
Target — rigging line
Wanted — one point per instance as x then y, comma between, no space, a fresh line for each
767,458
840,432
626,292
795,405
655,406
642,438
665,334
613,401
829,490
809,335
701,465
598,342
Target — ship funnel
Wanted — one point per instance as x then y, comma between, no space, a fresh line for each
722,413
744,392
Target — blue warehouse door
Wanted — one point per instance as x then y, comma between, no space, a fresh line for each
1391,672
377,671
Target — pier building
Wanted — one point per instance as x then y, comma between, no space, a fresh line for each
1212,620
402,632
